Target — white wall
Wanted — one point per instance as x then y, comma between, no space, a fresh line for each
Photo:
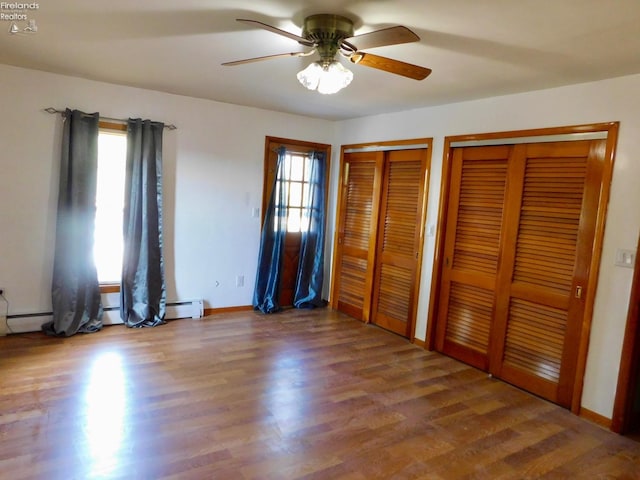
603,101
213,166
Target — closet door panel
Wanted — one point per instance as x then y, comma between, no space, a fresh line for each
399,235
357,232
544,308
472,252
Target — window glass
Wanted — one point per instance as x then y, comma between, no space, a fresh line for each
108,243
296,182
307,169
297,168
295,194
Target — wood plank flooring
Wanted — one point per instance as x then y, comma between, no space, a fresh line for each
301,394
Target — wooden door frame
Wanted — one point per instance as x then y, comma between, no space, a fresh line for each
334,264
612,137
272,144
630,358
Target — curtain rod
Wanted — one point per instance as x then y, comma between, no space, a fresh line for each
118,120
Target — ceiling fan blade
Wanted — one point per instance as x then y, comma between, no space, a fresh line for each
383,37
389,65
284,33
267,57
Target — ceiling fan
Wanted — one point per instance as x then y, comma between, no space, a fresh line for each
329,35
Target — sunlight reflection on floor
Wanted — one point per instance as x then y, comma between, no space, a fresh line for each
106,404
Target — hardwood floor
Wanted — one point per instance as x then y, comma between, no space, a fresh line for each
301,394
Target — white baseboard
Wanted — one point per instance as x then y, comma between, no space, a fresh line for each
32,322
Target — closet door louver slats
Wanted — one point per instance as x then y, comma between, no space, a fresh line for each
470,317
479,222
549,220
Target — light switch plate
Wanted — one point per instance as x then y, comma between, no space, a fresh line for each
625,258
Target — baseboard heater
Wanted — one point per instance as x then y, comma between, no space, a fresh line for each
32,322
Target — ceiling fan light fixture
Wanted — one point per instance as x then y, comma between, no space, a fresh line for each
325,78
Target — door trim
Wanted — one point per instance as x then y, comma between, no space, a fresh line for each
611,130
378,147
630,358
565,137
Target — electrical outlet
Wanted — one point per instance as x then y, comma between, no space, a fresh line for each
240,281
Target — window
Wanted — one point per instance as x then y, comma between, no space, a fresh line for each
108,242
297,173
296,178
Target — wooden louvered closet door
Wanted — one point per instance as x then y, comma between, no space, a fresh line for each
355,252
398,242
518,244
472,252
540,297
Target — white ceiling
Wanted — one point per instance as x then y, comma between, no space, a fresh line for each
476,48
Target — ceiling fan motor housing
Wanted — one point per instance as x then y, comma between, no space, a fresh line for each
326,31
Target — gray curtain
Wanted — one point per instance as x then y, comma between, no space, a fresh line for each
143,290
75,292
267,288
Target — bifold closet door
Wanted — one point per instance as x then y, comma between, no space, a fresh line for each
518,244
357,224
545,273
399,236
